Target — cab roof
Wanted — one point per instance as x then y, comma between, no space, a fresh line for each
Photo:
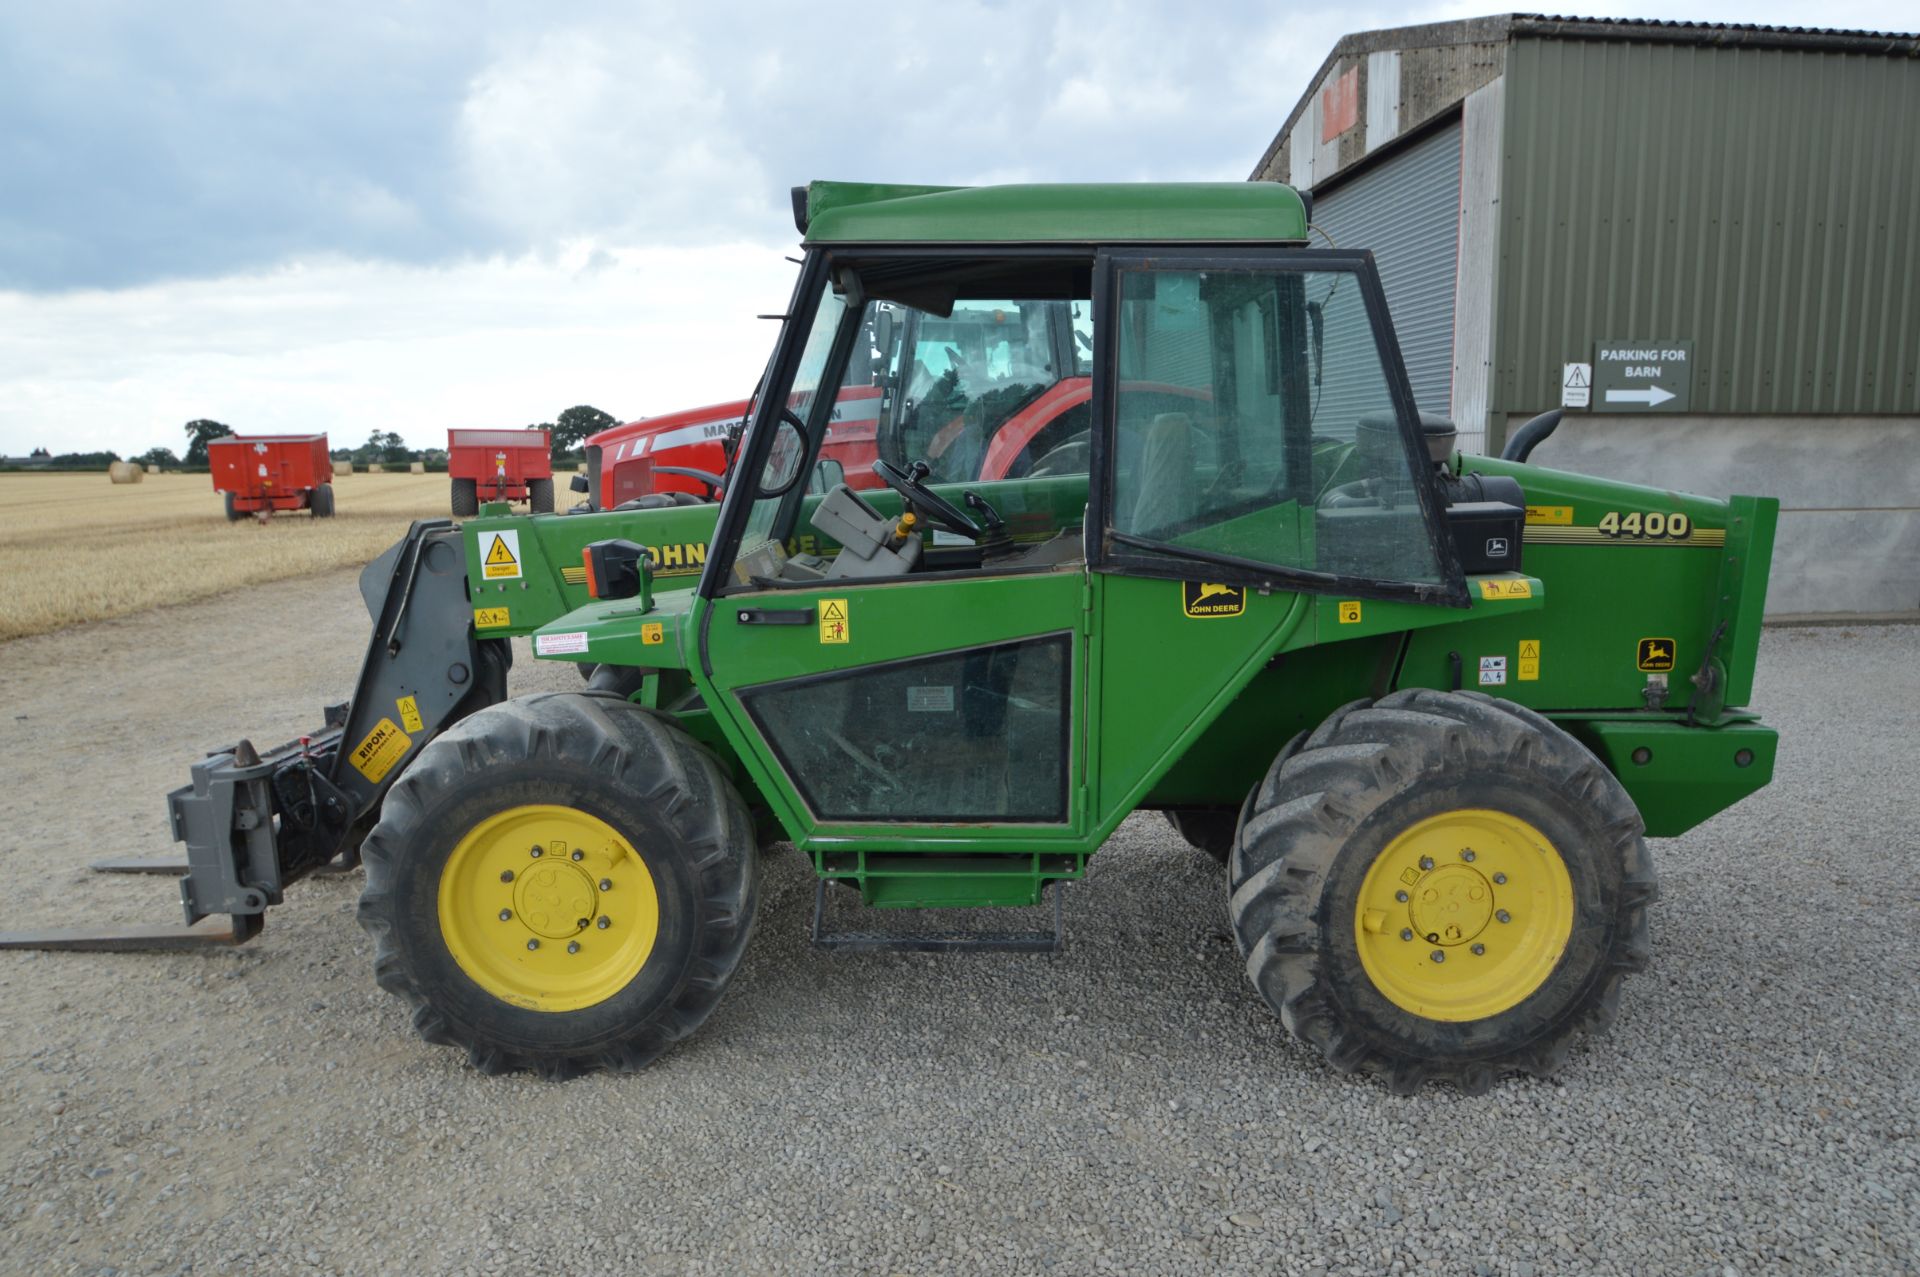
1093,213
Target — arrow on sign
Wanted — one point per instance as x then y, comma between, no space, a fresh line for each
1652,396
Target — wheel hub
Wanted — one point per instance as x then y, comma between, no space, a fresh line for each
555,900
1451,904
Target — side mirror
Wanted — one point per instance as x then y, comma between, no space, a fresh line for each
789,450
828,474
579,483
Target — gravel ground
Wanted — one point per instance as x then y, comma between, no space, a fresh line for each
1129,1105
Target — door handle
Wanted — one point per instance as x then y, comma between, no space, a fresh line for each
774,616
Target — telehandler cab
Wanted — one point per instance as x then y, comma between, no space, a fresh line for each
1424,706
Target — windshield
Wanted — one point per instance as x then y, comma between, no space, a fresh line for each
966,375
800,401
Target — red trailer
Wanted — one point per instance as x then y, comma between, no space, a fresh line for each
500,465
260,474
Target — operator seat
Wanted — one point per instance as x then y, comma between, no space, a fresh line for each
1169,491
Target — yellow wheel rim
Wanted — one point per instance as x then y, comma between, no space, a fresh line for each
548,908
1464,915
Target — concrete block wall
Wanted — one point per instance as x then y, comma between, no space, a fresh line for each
1849,489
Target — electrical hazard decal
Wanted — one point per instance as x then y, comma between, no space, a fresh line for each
1210,598
491,618
384,746
1493,671
1528,669
1656,655
833,621
499,555
409,712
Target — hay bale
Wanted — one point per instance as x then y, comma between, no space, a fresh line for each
374,467
153,469
125,472
416,467
342,467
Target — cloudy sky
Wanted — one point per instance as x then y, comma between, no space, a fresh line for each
426,213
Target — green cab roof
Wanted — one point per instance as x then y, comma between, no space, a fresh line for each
1093,213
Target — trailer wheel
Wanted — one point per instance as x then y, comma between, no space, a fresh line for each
321,502
540,496
1441,886
466,498
234,514
562,882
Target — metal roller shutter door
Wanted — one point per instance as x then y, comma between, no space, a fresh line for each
1407,210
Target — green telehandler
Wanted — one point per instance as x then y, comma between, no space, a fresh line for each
1424,707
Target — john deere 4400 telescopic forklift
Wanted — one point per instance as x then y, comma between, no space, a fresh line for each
1424,706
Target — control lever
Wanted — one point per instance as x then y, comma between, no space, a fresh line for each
989,516
994,542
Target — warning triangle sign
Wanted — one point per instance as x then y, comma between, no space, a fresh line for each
500,556
833,611
1529,651
1576,376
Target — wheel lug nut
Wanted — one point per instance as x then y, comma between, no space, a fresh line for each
1500,880
1438,956
573,946
506,915
1426,862
533,944
604,923
606,884
506,875
579,855
580,925
1401,896
1504,916
1467,855
537,852
1479,949
1406,933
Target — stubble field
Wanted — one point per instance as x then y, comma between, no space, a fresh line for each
76,548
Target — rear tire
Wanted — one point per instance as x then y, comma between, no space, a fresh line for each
674,841
1452,824
540,496
466,498
321,502
234,514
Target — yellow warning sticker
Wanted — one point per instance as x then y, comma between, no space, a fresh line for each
1210,598
1656,655
499,555
491,618
384,746
653,632
1528,669
1350,612
409,713
1507,589
833,621
1558,515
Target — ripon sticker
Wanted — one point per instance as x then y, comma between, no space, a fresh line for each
1202,599
499,555
1656,655
384,746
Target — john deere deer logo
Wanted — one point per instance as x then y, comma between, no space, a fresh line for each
1656,655
1211,598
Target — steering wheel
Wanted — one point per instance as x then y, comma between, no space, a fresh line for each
911,484
705,478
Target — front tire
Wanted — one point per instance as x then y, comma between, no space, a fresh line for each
540,496
466,498
1441,886
321,502
607,947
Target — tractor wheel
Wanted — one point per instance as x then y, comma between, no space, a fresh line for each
466,498
321,502
1441,886
562,882
540,496
234,514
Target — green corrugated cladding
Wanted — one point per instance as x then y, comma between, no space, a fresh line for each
851,212
1764,204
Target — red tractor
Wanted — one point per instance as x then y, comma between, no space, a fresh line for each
259,474
500,465
1012,373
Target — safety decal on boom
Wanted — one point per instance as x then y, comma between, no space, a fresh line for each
499,555
1510,588
409,713
492,618
1202,599
384,746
